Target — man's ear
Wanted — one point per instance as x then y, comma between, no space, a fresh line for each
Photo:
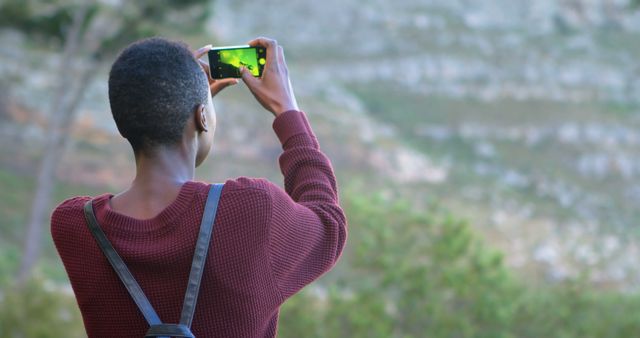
201,118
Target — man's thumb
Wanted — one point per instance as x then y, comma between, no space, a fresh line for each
247,77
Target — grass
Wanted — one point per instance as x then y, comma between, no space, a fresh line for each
16,192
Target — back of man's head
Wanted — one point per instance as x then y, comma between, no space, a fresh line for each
154,86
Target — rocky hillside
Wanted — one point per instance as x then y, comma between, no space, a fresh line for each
522,116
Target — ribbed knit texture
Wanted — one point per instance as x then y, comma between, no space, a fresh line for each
267,244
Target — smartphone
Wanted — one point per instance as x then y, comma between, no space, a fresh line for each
225,62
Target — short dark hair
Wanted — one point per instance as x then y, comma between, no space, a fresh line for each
154,86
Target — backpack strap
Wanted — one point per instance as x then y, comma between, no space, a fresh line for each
169,330
157,328
200,255
120,268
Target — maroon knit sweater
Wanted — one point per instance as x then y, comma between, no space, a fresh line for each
267,244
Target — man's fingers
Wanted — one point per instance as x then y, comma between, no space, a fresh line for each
219,85
202,51
262,41
248,78
271,46
281,55
205,66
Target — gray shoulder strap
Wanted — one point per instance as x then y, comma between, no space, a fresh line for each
200,254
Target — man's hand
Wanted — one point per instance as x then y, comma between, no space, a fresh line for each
214,85
273,90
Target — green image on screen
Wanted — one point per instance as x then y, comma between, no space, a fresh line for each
241,57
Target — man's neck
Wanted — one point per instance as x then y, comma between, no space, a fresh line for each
157,184
163,168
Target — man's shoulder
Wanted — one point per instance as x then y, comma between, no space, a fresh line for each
68,213
252,191
248,184
72,203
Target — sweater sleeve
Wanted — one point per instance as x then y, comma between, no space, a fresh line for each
308,228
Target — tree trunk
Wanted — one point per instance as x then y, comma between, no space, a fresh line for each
60,118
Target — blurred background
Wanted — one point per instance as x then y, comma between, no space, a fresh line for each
487,152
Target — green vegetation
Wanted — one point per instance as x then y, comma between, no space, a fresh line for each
38,310
15,197
407,273
423,273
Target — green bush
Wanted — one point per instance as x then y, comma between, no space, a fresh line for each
407,273
38,309
419,272
575,309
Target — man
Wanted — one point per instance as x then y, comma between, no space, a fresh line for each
267,243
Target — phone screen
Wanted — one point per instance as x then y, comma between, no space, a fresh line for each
225,62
